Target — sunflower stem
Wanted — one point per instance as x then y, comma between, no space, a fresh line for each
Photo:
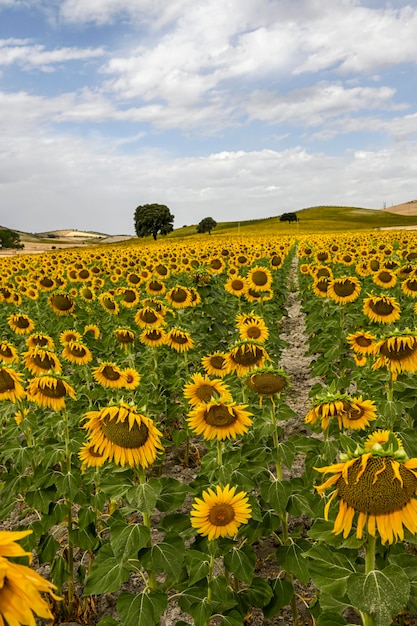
219,452
146,516
68,500
367,619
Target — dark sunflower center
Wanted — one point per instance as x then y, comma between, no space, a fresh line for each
55,389
129,295
323,271
276,261
110,373
6,351
149,316
254,332
267,383
154,285
259,278
254,294
247,356
6,381
83,274
411,284
381,307
46,282
205,392
120,434
385,277
61,302
221,514
153,335
216,264
179,338
134,279
322,256
363,341
78,351
87,293
237,284
109,304
344,288
217,362
94,453
21,322
355,413
161,270
322,284
220,416
179,295
398,353
44,361
377,490
124,337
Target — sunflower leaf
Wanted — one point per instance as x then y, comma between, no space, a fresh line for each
276,494
144,496
291,559
329,569
107,573
241,563
144,609
380,593
166,556
283,591
128,539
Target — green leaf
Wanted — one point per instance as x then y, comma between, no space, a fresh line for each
330,619
222,597
107,573
171,495
259,593
233,619
329,569
282,591
127,539
68,485
291,559
166,556
201,612
40,499
197,564
241,562
408,564
144,609
276,494
144,496
322,531
48,547
284,453
381,593
108,621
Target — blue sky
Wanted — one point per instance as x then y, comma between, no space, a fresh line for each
233,109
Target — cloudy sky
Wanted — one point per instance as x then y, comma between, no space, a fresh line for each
234,109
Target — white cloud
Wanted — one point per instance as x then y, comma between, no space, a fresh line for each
27,55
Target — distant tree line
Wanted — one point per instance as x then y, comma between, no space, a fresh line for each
10,239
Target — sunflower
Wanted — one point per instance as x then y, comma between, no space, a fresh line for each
219,419
385,278
76,352
21,324
360,360
68,336
259,278
61,303
255,329
179,297
195,296
153,337
11,387
89,457
38,361
254,295
148,317
49,391
128,297
125,337
409,286
20,586
179,340
132,378
215,364
109,375
8,353
203,389
320,286
87,294
380,437
236,285
91,329
379,484
108,303
121,434
41,341
397,352
155,287
220,513
267,381
362,342
246,355
381,309
344,289
350,412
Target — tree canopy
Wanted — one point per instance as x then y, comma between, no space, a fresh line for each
10,239
206,225
289,217
153,219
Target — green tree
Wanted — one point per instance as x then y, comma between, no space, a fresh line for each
289,217
151,219
206,225
10,239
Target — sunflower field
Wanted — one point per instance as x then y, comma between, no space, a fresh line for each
151,463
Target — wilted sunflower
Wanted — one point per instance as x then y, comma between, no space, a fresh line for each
381,309
39,361
215,364
153,337
122,435
180,340
49,391
109,375
203,389
11,387
259,278
409,286
41,341
362,342
219,420
8,353
385,278
397,352
379,484
179,297
245,355
267,381
149,317
344,289
61,303
236,285
220,513
21,324
350,412
21,586
76,352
